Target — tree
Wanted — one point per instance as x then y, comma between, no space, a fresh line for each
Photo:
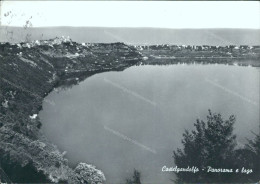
249,157
254,147
212,144
136,178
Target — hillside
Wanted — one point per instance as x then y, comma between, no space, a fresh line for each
148,36
28,72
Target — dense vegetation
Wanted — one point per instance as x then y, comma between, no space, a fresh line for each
213,145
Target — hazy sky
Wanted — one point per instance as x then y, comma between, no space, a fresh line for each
133,14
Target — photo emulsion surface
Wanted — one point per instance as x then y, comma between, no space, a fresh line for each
129,92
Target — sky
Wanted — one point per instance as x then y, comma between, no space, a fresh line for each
158,14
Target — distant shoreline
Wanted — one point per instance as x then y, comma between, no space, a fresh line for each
137,36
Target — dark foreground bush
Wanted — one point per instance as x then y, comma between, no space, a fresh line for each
213,145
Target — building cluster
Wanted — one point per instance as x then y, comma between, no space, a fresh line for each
228,48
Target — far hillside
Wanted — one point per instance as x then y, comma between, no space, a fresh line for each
141,36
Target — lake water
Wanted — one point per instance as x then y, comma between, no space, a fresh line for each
119,121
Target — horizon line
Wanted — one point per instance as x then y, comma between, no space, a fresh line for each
128,27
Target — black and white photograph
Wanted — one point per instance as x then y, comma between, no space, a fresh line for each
129,92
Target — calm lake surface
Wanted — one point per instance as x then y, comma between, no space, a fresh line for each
119,121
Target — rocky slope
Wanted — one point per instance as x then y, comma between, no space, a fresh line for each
28,72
